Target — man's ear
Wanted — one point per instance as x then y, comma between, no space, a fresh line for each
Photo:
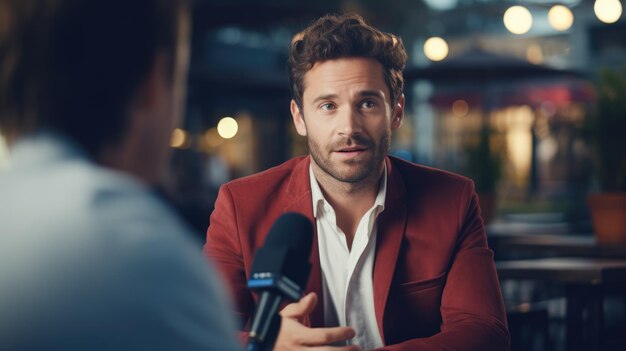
298,118
398,113
155,86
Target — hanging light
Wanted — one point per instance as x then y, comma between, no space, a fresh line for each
227,127
608,11
436,49
517,19
560,17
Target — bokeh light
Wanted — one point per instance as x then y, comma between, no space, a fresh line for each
518,20
436,49
560,17
608,11
534,54
460,108
179,138
210,140
227,127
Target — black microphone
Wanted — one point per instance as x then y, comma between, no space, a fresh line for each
280,271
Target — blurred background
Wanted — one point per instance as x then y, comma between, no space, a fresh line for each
525,97
496,90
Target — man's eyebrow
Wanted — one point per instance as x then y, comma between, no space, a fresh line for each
364,93
324,97
372,93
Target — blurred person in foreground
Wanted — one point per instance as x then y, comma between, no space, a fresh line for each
400,257
89,258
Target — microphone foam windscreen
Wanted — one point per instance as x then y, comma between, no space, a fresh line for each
287,248
292,230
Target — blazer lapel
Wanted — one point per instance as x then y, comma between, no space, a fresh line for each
390,232
299,189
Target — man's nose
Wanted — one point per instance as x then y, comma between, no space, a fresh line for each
350,122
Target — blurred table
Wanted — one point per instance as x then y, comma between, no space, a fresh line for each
539,245
586,281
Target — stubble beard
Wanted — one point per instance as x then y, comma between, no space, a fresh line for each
363,168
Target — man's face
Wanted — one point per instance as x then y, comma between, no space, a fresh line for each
181,67
167,109
347,117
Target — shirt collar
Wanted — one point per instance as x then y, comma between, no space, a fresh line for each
43,146
318,196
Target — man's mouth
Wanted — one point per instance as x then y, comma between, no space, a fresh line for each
353,149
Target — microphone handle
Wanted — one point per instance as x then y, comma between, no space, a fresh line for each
266,322
253,346
270,338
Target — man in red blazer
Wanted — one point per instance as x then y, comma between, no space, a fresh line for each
400,257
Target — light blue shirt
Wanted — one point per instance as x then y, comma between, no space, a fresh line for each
89,259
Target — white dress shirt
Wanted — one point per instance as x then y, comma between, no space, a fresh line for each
347,273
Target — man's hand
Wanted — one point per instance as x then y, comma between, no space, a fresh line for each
294,335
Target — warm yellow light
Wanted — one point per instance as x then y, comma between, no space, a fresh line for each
608,11
519,140
211,139
227,127
179,138
436,49
560,17
460,108
534,54
518,20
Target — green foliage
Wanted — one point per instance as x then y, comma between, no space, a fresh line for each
605,130
484,165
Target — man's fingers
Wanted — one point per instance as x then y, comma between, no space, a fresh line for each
308,303
325,336
335,348
301,308
295,336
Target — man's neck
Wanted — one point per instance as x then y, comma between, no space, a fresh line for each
126,156
350,201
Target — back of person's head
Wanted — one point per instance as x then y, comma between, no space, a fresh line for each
74,65
337,36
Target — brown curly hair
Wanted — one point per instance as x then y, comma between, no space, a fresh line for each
336,36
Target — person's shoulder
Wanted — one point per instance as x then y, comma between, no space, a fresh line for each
136,239
104,209
144,239
130,214
117,213
61,194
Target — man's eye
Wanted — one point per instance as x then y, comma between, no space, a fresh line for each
368,104
327,106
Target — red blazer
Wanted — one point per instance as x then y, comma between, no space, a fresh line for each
435,283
